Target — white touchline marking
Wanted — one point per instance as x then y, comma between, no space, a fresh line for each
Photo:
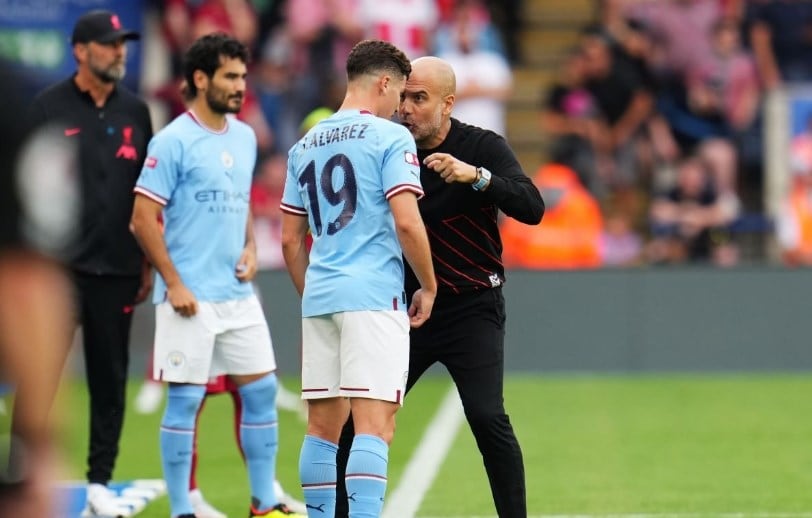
424,464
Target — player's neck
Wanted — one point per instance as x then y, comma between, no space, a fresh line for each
353,101
212,120
98,90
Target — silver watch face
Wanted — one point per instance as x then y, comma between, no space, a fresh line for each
484,178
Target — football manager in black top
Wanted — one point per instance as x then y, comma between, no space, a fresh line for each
468,174
112,127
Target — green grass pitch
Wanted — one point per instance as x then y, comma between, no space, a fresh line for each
702,445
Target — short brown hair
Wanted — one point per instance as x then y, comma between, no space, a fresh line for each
369,56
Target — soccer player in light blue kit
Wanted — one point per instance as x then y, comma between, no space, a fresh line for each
208,320
353,181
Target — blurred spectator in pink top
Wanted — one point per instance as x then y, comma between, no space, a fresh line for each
724,82
683,27
717,101
620,245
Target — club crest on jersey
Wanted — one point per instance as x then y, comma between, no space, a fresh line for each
411,158
227,159
495,280
127,150
151,162
175,359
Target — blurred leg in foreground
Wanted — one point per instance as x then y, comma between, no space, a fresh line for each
35,325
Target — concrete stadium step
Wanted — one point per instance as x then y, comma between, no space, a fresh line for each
539,12
523,124
550,29
529,84
546,47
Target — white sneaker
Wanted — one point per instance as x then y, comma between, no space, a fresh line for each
202,508
103,502
149,397
294,505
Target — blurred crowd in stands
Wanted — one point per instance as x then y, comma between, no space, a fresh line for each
653,128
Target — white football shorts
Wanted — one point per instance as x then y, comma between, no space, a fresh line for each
362,354
229,337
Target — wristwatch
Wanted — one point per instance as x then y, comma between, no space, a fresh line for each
483,179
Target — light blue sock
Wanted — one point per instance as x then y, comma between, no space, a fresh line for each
177,441
260,438
317,471
366,476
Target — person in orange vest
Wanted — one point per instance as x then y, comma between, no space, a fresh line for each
568,237
794,222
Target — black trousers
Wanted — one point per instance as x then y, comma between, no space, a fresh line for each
466,333
105,310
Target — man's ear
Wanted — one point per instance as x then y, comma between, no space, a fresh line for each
80,52
384,83
449,103
201,80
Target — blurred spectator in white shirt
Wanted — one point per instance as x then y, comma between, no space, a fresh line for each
484,77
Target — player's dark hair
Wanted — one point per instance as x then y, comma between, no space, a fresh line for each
372,56
205,55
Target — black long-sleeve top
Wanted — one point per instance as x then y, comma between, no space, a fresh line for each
461,223
112,143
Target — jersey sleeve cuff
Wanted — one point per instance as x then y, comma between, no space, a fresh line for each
151,195
291,209
403,188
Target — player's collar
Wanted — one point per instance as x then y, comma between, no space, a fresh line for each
200,123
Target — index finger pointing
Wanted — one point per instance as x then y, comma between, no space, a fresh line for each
434,156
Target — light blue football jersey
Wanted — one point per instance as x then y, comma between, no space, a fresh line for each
341,175
203,179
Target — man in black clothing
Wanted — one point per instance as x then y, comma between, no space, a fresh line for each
468,175
112,127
